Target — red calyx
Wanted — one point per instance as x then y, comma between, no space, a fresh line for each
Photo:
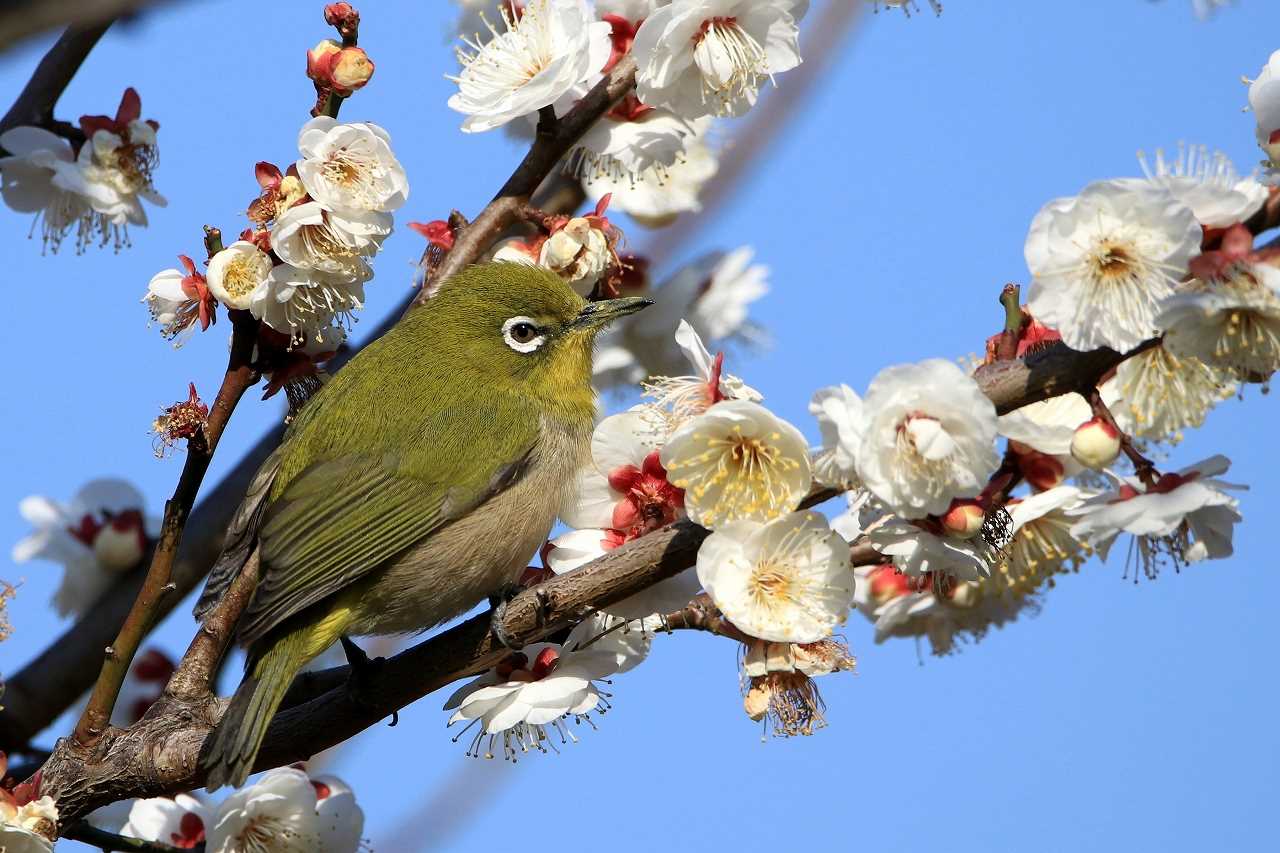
130,110
622,34
190,832
437,232
544,663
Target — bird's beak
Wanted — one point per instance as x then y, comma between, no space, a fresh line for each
596,314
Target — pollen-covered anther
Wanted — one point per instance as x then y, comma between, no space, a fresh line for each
182,420
732,62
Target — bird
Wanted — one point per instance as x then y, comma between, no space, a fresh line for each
419,480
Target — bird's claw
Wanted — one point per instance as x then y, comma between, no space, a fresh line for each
364,671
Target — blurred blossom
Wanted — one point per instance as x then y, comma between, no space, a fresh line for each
97,535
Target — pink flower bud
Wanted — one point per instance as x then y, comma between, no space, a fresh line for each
964,519
1096,444
318,59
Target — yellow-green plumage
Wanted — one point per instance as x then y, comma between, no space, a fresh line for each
420,479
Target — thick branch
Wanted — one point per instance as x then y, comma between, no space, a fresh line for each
34,104
159,754
22,18
157,585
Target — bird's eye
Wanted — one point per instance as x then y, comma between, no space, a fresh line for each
522,334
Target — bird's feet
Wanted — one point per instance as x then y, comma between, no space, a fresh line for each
498,604
364,674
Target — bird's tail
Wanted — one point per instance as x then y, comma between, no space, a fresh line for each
229,754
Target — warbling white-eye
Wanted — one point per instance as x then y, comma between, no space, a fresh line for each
419,480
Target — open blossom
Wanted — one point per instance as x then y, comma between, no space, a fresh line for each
713,295
916,551
709,57
787,580
1104,260
310,237
839,412
541,55
581,250
928,436
1208,184
633,140
115,168
287,811
656,195
304,303
1231,323
26,182
1264,100
738,461
1182,518
178,300
101,532
181,821
1156,394
237,272
541,686
27,828
349,167
1042,540
677,399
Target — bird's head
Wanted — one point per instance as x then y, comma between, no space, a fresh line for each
523,324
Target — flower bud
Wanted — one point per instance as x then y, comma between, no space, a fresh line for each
1096,444
318,59
1041,470
350,69
964,519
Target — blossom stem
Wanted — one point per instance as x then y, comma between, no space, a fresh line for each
1142,466
1011,299
239,376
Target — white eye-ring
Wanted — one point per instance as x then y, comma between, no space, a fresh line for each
522,334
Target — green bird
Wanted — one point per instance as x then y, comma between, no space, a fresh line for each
419,480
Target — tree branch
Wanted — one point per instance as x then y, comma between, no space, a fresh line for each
22,18
34,104
108,841
552,141
157,585
158,755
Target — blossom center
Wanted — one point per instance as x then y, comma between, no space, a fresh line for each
730,59
240,277
267,834
772,584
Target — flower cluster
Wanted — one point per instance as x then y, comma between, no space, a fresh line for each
285,810
695,60
95,187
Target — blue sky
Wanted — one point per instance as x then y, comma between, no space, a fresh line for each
890,211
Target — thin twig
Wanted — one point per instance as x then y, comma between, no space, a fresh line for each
239,376
702,615
194,677
1011,299
110,841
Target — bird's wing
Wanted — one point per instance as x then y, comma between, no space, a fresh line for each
313,544
241,535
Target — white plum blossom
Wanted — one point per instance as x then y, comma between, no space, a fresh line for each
655,196
1232,323
839,412
738,462
28,828
713,295
1156,394
26,182
304,303
178,300
101,532
1103,260
237,273
676,399
709,57
580,252
542,686
634,142
1048,425
1181,518
928,436
1042,540
349,168
182,821
915,551
788,580
313,238
1264,100
551,47
1208,184
287,811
